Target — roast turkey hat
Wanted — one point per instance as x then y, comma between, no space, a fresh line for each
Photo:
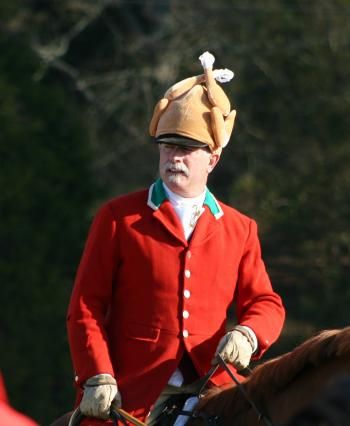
196,111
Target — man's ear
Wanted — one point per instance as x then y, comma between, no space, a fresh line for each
214,159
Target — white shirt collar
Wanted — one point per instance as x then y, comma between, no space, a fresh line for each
178,200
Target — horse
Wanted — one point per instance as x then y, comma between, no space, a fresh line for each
280,388
277,389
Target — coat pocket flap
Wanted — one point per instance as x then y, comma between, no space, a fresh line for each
142,332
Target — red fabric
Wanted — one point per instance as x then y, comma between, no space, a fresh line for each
8,415
125,314
3,393
11,417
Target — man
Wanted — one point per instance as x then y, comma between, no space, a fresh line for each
161,267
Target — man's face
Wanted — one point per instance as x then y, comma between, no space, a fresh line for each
185,169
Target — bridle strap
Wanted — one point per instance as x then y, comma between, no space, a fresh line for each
207,377
241,388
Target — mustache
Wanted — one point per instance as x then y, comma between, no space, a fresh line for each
176,168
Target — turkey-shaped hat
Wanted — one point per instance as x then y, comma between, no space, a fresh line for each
196,111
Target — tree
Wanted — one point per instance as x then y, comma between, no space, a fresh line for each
46,196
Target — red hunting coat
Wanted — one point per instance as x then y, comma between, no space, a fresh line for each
143,294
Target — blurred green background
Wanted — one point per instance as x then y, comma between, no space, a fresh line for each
78,83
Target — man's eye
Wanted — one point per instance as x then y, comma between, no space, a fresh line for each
187,149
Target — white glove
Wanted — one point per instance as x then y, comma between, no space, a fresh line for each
99,393
234,348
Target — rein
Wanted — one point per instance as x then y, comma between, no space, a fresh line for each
241,388
212,420
116,414
119,415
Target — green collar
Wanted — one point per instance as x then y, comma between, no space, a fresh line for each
157,195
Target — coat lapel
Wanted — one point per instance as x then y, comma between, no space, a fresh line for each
205,229
164,212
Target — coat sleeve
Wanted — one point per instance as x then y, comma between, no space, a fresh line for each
90,299
258,306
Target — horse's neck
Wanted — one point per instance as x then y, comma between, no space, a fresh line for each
282,404
282,386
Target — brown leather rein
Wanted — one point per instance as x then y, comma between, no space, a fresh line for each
119,415
116,414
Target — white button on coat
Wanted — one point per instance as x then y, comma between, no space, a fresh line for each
187,294
187,273
185,314
185,333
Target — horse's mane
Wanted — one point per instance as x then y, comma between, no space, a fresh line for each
278,372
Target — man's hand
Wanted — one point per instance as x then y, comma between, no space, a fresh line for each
234,348
99,392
